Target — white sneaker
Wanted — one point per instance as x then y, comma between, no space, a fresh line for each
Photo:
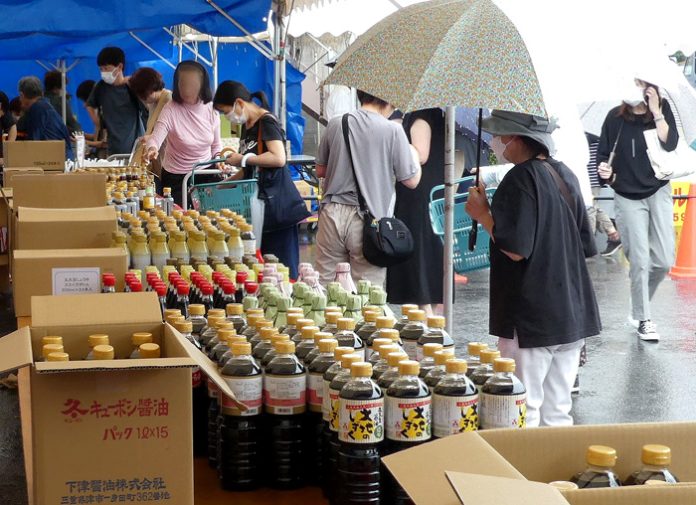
633,322
647,331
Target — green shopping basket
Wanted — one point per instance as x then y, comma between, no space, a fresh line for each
238,196
464,260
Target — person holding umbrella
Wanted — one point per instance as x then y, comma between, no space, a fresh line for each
542,302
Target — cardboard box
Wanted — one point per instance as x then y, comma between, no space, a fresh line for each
8,174
543,455
45,154
59,191
90,228
62,271
108,428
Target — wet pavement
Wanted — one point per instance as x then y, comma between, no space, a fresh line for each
625,380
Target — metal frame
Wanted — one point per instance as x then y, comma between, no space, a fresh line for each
184,184
151,49
62,67
448,253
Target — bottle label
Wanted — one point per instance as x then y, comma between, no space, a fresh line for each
334,415
503,411
326,402
411,348
409,419
285,394
454,414
249,247
361,421
196,377
315,392
213,390
247,390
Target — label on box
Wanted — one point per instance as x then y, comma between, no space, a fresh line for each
76,281
315,391
454,414
247,390
361,421
285,394
503,411
409,419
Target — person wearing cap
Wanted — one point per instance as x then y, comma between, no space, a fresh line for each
542,303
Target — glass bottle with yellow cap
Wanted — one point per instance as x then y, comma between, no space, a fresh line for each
222,324
473,359
228,354
503,398
94,340
138,339
656,460
485,370
376,345
235,315
266,332
197,318
276,340
455,401
347,337
253,333
600,469
211,328
412,332
435,334
318,336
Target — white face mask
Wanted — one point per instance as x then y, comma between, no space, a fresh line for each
235,118
498,147
109,77
635,97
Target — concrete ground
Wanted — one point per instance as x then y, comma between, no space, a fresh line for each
625,380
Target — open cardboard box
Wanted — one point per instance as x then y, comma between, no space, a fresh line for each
59,191
544,455
108,428
8,174
44,154
84,228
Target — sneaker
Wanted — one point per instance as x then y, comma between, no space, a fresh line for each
612,248
647,331
576,385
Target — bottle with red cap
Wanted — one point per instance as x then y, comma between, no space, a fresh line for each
182,298
206,295
217,278
171,292
108,283
239,292
228,291
161,290
136,286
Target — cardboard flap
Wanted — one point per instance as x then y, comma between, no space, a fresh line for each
59,191
116,364
486,490
33,214
15,350
674,494
427,483
106,309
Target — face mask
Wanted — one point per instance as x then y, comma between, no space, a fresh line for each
108,77
498,147
235,118
635,97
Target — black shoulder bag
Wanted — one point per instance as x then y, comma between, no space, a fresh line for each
387,241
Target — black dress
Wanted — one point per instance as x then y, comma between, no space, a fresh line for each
419,280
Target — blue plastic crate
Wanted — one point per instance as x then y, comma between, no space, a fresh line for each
234,195
464,260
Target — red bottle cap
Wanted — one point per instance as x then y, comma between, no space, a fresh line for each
172,277
136,286
242,277
161,289
228,288
259,277
207,289
251,287
109,280
182,288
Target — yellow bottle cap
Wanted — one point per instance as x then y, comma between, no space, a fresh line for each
94,340
601,456
175,319
384,350
101,352
241,348
656,455
301,323
294,317
416,315
51,348
385,322
332,317
475,348
408,307
51,339
346,324
504,365
370,316
430,349
379,342
197,309
361,369
224,324
409,367
266,332
489,355
264,323
279,337
441,357
564,485
149,351
235,339
58,356
140,338
295,310
389,333
436,322
347,360
308,332
339,352
327,345
320,335
216,313
226,333
455,366
394,358
252,319
184,326
369,308
285,347
234,309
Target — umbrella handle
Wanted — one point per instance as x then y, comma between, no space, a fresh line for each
473,235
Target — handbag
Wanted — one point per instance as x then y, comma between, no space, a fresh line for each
386,241
669,165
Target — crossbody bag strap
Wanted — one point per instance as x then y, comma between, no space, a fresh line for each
346,138
562,186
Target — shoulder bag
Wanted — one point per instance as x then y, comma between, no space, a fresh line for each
387,241
669,165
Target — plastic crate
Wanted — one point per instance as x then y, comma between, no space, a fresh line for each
234,195
464,260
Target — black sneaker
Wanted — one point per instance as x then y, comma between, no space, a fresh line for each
612,247
576,385
647,331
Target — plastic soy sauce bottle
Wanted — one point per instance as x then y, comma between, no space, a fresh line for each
301,323
331,318
503,398
435,375
455,401
273,351
392,373
318,336
376,345
290,327
369,325
239,444
186,329
361,433
412,332
49,349
656,460
403,320
235,315
138,339
197,318
149,351
408,419
600,469
234,339
348,338
103,352
251,329
473,359
381,323
307,344
264,342
382,364
95,340
427,362
485,370
435,334
285,386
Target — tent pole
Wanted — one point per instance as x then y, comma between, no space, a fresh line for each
181,45
64,91
279,65
448,270
249,36
153,51
214,55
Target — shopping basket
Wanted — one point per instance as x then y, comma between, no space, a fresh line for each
237,195
463,259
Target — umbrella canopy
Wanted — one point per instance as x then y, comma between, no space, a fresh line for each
438,54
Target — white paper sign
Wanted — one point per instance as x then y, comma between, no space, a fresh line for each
76,281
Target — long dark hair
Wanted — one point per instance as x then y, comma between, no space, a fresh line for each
626,111
205,95
229,92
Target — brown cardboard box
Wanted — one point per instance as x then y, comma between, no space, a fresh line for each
59,191
118,428
62,271
544,455
45,154
8,174
65,228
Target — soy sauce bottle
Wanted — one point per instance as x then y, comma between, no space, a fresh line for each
235,315
368,327
197,318
382,323
435,375
361,433
382,365
264,345
376,346
484,371
503,398
412,332
455,401
435,334
656,460
600,469
348,338
285,386
253,333
273,351
473,360
240,434
290,327
427,361
392,373
318,337
307,344
331,318
403,321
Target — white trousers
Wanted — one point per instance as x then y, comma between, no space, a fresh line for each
548,373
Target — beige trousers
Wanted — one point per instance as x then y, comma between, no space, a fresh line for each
339,240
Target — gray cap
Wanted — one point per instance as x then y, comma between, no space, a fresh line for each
538,128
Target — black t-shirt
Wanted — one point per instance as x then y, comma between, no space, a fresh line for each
6,122
547,298
270,130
